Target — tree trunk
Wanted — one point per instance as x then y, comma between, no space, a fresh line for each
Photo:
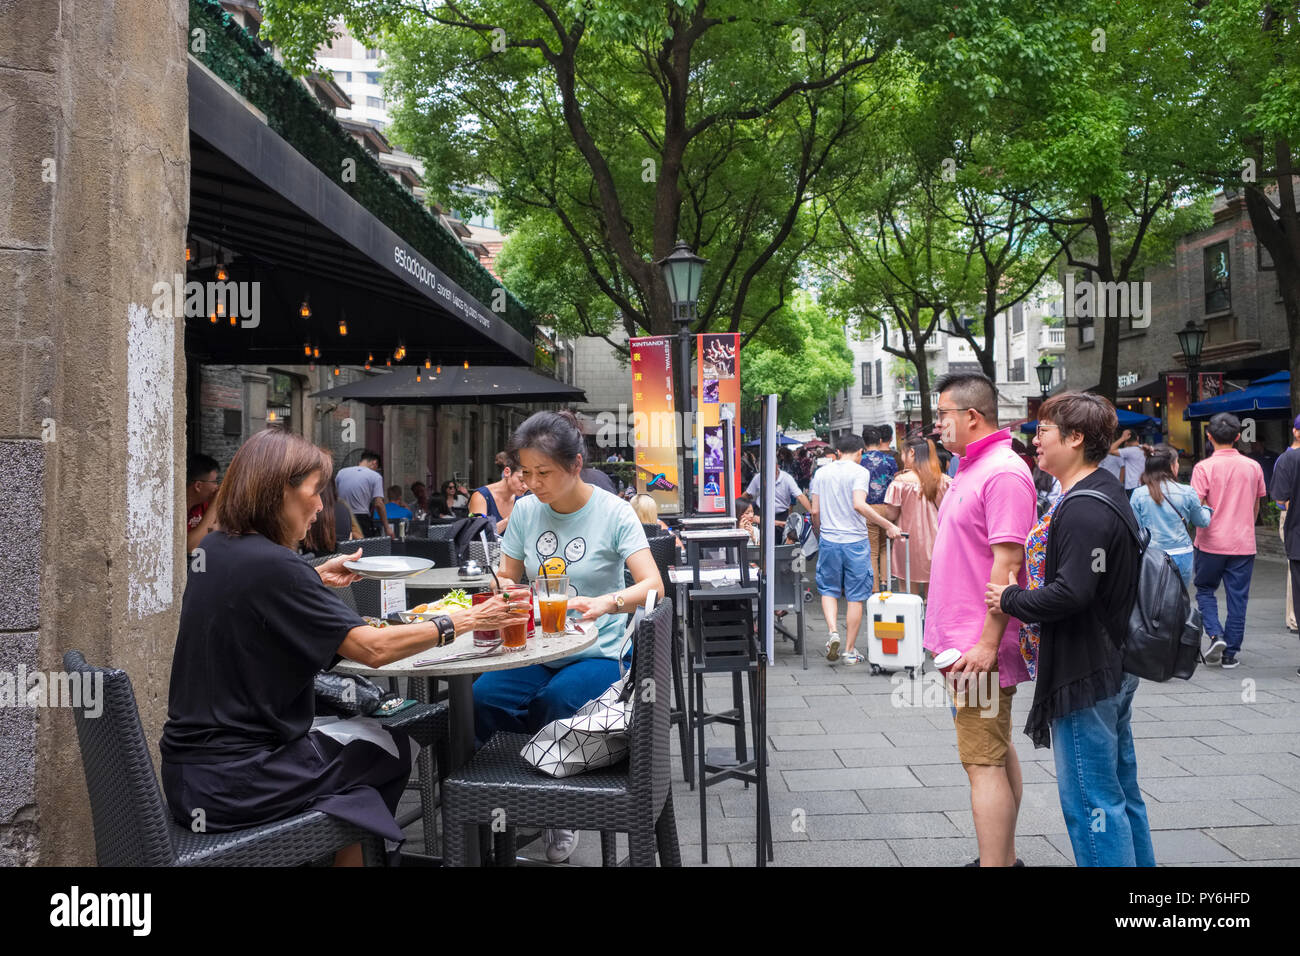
1281,237
923,383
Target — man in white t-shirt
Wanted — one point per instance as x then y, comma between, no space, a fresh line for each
840,514
1134,460
787,492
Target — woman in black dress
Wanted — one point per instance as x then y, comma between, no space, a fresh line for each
257,624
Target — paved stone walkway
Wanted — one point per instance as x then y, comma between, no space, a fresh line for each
858,781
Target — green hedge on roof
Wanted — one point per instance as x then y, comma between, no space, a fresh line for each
294,114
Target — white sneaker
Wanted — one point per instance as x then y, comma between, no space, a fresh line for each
833,647
852,657
560,844
1215,652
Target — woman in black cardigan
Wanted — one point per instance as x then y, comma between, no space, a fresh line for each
1082,594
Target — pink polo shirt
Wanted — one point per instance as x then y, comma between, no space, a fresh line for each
1230,483
991,501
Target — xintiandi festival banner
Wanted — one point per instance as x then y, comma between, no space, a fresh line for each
654,421
717,385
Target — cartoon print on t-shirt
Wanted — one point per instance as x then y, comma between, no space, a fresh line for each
547,543
574,550
553,566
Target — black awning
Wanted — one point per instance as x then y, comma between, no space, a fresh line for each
1155,388
299,235
501,384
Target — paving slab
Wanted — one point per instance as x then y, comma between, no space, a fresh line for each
855,778
833,853
1182,789
1260,843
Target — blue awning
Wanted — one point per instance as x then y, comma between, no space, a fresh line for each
1269,394
780,440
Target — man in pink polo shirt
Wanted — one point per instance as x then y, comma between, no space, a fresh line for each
1232,485
984,520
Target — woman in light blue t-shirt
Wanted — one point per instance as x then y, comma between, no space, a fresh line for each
1165,507
577,529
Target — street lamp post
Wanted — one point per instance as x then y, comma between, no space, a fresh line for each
681,270
907,413
1044,372
1191,339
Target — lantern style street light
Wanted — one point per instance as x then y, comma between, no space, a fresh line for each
1044,371
1191,339
682,270
907,413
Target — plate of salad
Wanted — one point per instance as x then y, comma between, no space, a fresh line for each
456,600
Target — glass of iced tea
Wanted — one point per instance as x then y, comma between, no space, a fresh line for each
484,638
552,602
514,636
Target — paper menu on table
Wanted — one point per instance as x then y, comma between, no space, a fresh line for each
392,597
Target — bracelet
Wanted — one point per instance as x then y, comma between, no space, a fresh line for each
446,629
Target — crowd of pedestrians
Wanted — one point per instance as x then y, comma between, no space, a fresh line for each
1039,576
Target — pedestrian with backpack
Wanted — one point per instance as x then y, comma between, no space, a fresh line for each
1165,508
1083,566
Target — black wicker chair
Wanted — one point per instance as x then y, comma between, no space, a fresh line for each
133,826
633,797
665,551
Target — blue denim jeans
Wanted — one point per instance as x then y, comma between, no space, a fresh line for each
1184,562
1096,777
1234,571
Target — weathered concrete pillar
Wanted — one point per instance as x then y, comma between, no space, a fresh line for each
94,198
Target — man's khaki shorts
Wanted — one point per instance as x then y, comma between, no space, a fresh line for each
984,740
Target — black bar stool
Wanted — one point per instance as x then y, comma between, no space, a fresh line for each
723,639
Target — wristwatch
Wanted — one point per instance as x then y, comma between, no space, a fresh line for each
446,629
619,601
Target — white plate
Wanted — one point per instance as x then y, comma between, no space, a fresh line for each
381,568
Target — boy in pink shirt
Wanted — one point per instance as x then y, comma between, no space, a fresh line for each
983,522
1232,485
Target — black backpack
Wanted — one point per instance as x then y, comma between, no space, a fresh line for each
467,531
1164,628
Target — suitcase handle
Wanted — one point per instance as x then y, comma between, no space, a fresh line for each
907,558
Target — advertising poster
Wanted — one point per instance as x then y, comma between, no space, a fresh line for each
1180,429
654,421
717,384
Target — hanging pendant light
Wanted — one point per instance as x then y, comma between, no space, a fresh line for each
336,370
315,351
222,274
306,349
417,375
467,364
304,310
427,362
343,325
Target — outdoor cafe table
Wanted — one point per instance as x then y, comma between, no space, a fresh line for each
460,679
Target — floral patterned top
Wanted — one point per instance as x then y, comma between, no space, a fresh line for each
883,466
1035,566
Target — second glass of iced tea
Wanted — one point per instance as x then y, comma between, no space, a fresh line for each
514,636
552,602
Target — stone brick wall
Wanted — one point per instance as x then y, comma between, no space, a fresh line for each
93,206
